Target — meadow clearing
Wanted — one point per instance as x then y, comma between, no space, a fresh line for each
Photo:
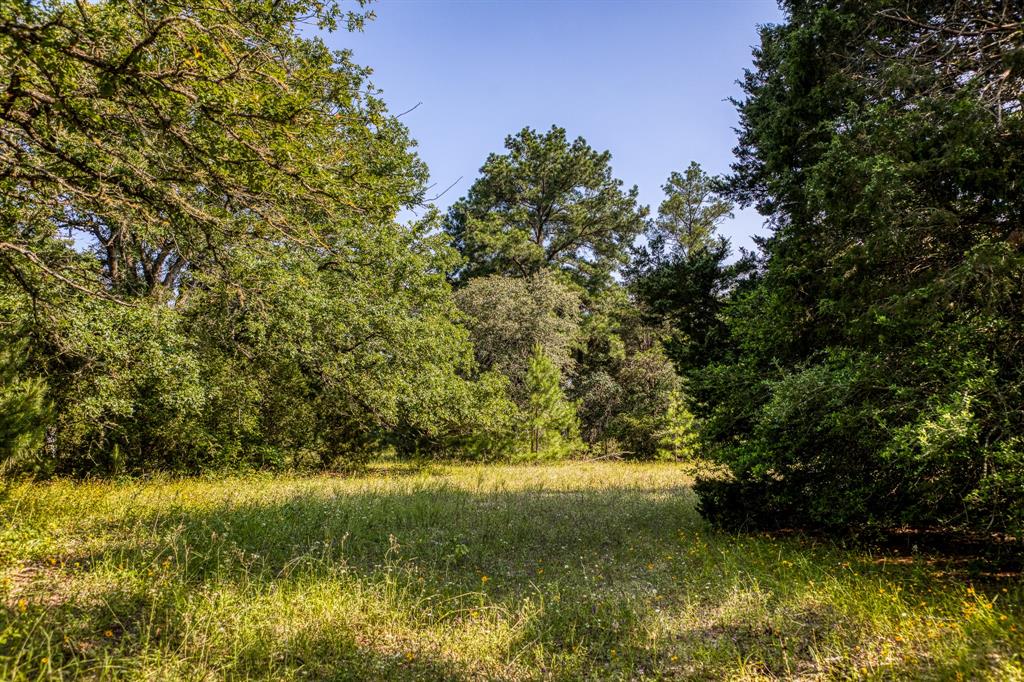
567,571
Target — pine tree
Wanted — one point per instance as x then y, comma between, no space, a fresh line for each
679,434
22,408
548,203
551,418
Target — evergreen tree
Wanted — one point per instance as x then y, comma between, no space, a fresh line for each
551,421
691,212
679,434
547,204
681,277
23,409
876,372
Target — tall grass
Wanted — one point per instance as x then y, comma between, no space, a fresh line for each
467,572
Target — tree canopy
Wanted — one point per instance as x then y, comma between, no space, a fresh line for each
164,136
198,235
877,357
546,203
509,317
691,212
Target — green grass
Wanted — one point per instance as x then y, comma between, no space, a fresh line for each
463,572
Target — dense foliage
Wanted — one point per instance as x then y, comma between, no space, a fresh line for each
546,204
874,372
508,317
201,265
544,233
198,238
551,424
682,278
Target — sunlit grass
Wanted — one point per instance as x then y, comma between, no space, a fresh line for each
466,572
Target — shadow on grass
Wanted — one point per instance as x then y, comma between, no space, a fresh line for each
577,572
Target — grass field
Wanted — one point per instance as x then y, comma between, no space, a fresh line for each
460,572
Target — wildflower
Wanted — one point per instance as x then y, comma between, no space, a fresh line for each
484,579
108,634
674,659
22,605
44,660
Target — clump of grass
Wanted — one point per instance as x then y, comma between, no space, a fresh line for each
465,572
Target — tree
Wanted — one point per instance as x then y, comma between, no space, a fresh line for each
649,384
546,203
682,277
164,136
508,317
23,410
624,381
198,237
876,364
678,438
550,418
691,212
687,295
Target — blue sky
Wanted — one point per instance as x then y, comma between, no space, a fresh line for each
646,80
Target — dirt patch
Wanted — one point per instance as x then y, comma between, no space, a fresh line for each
37,583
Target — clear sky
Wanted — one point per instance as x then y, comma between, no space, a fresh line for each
646,80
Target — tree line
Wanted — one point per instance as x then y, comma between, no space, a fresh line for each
202,266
